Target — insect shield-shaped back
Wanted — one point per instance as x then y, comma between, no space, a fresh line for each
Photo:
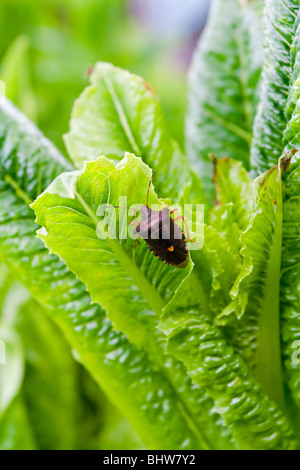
163,236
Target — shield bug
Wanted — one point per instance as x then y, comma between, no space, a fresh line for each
163,236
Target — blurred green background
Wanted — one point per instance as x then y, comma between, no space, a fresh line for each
47,46
47,400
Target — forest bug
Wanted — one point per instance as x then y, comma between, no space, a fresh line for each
153,227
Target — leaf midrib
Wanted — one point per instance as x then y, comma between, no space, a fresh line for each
18,190
269,367
121,114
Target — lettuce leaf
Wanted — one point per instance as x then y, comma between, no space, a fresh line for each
119,112
222,86
183,411
281,20
256,422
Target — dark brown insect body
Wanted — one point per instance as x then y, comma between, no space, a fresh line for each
163,236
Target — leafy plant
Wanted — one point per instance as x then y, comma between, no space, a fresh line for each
198,358
52,46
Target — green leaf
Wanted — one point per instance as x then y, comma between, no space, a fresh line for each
216,267
129,282
26,156
218,262
281,19
48,366
15,429
159,411
50,369
257,332
290,275
119,113
222,86
74,228
255,420
234,192
15,73
292,130
235,197
256,292
277,128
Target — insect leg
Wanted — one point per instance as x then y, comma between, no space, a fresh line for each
134,223
134,215
173,210
180,217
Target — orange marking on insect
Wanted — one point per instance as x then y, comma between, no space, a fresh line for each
171,248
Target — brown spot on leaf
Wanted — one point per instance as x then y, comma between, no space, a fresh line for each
285,160
149,88
89,70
